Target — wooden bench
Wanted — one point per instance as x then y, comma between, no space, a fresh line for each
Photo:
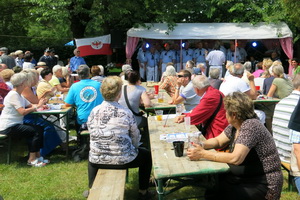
286,166
109,184
7,142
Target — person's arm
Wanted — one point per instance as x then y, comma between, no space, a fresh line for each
31,108
146,100
252,93
272,90
296,147
177,99
61,89
30,96
236,157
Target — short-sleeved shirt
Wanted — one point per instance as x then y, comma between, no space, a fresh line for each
167,56
255,136
216,58
75,61
169,84
10,116
233,84
43,87
85,95
187,54
152,59
134,93
199,55
54,81
114,135
284,87
191,99
294,139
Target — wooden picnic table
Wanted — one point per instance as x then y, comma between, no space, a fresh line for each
166,165
63,113
268,106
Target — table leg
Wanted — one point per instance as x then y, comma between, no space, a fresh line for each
67,133
160,189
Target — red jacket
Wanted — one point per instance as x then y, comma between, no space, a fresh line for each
204,110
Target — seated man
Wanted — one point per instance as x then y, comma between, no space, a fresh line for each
209,103
185,92
85,95
281,118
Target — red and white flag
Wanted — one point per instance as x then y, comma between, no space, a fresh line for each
94,46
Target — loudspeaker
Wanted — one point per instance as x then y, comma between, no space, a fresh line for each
117,39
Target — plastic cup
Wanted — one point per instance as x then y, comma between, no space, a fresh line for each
178,148
179,109
187,124
194,138
257,88
156,88
160,98
159,115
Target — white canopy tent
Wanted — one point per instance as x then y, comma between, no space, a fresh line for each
212,31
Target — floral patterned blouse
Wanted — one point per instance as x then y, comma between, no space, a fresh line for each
114,135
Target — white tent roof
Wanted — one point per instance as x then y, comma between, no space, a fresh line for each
218,31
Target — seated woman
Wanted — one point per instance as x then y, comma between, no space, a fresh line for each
253,159
115,138
281,87
16,106
6,75
51,137
97,72
169,80
57,73
136,95
66,80
44,88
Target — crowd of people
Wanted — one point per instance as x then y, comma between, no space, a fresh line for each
219,103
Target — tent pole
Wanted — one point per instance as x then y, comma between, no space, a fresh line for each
181,54
235,44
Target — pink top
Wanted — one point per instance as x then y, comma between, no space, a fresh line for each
258,73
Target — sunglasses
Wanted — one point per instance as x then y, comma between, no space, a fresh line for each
180,76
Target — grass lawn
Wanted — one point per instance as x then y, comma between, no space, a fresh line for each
64,179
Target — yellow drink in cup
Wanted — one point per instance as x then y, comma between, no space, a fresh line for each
159,115
160,100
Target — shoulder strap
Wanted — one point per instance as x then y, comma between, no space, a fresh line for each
127,102
214,114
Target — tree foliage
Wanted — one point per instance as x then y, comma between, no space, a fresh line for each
35,23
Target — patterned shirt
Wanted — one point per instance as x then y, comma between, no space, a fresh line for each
255,136
169,84
114,135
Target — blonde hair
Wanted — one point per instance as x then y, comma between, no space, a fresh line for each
241,105
278,71
111,87
64,71
6,74
32,76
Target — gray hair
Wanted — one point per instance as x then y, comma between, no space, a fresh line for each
248,66
101,70
83,72
214,73
200,82
18,79
56,68
190,64
238,69
32,76
170,71
126,68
